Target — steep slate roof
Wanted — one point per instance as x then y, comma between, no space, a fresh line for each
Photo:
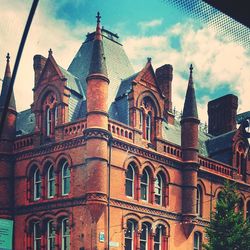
220,147
121,76
172,133
118,65
25,122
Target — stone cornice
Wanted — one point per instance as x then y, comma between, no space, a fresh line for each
50,205
49,148
146,153
163,213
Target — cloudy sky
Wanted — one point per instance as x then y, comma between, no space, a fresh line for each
155,29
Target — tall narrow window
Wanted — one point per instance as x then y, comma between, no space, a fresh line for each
130,235
65,235
130,178
144,244
199,201
197,241
144,185
65,178
148,126
51,181
50,236
48,122
158,238
141,119
248,211
37,185
158,190
241,206
37,236
56,115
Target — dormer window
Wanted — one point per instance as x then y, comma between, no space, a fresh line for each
148,126
241,159
48,121
50,114
147,119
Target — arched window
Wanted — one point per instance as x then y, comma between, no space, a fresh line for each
199,201
65,234
51,182
159,189
144,237
37,236
248,211
148,126
51,235
130,180
37,185
48,122
56,115
50,117
144,185
65,178
241,205
160,238
147,118
197,241
141,119
130,235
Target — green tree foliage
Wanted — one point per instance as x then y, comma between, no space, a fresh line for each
228,230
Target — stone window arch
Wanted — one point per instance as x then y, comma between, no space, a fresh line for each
148,114
50,114
131,180
199,200
197,241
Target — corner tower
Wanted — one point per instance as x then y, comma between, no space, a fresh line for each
189,144
6,147
97,134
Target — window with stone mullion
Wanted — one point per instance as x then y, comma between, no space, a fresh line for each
145,185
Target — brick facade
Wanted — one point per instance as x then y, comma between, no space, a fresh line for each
54,180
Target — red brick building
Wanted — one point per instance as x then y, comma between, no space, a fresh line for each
101,154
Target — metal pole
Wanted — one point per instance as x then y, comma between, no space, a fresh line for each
18,58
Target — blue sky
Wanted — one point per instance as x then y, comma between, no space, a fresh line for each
155,28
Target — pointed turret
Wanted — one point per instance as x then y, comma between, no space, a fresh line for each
8,135
189,144
98,64
97,134
5,87
190,107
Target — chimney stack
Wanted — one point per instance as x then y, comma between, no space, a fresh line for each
222,114
164,76
38,65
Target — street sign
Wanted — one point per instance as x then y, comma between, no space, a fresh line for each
101,237
113,244
6,234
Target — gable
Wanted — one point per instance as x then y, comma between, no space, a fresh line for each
51,71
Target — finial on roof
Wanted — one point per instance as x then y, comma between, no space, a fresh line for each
50,52
98,17
8,57
98,33
190,107
191,68
7,69
149,59
190,82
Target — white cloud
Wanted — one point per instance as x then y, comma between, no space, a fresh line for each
150,24
216,62
46,32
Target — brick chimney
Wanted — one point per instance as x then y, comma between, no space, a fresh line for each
164,76
38,65
222,114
